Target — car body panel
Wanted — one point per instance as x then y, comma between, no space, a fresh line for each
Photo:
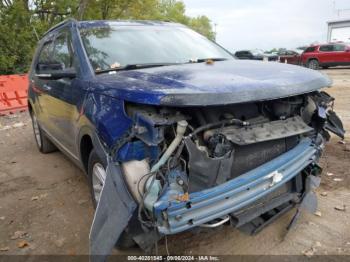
235,194
225,82
95,106
289,57
327,55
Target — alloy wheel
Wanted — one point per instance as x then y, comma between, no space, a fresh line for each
98,179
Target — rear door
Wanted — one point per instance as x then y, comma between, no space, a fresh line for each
342,54
339,54
347,55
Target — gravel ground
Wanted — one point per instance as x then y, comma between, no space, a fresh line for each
45,204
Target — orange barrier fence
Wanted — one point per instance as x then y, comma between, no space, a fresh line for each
13,93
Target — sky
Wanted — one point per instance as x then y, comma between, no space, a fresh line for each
267,24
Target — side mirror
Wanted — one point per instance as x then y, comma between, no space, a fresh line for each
54,75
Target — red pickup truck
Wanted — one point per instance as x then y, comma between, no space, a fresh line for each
326,55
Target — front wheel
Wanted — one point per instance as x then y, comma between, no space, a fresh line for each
313,64
97,176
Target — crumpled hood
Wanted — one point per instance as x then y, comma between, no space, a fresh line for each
200,84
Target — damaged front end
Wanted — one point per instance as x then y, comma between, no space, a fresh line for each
243,164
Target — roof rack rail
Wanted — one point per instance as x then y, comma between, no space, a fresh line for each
69,20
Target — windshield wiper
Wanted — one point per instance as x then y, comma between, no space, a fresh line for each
134,66
202,60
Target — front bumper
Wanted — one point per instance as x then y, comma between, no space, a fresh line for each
204,206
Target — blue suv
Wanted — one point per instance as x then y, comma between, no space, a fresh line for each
173,132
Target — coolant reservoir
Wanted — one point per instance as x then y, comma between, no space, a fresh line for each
133,171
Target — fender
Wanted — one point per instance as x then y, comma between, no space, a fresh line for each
312,58
104,128
97,144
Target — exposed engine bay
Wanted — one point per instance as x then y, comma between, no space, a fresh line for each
173,153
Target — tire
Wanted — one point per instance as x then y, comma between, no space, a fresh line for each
97,173
313,64
44,144
325,67
125,241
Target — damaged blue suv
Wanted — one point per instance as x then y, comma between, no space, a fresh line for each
173,132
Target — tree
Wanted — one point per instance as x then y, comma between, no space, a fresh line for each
202,25
17,40
22,22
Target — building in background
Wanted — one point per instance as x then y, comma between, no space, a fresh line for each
339,31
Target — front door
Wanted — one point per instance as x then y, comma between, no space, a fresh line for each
39,86
326,54
57,97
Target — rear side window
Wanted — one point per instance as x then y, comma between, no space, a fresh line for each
339,48
327,48
310,49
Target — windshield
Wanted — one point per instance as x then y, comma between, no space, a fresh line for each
117,47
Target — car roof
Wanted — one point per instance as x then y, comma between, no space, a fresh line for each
102,23
331,43
99,23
